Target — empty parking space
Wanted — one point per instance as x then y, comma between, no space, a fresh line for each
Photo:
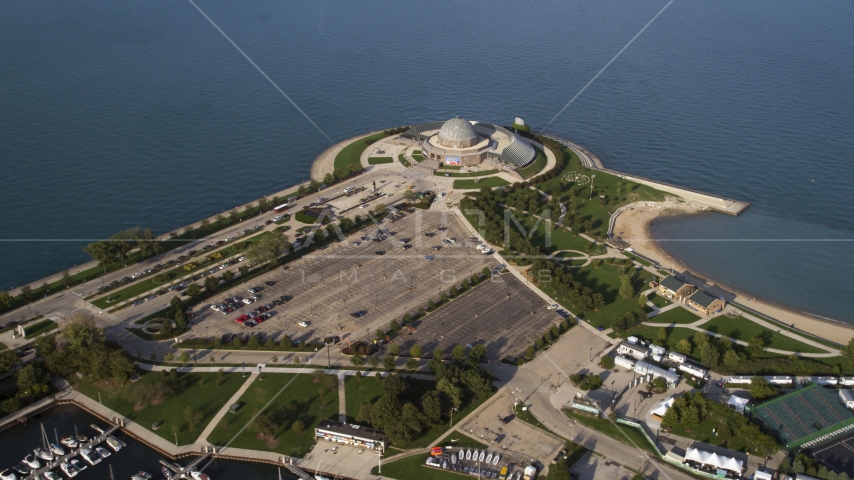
497,314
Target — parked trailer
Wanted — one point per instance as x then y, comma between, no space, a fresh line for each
624,362
677,357
822,380
846,381
694,370
739,379
780,380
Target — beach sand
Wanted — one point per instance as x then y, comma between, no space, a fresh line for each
635,227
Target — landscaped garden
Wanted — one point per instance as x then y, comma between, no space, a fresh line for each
678,315
536,166
174,400
33,331
379,160
485,182
287,425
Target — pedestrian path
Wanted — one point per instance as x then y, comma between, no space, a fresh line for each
342,398
203,438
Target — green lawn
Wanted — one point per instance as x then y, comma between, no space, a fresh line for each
379,160
417,156
637,259
621,433
357,392
413,467
439,173
742,329
703,433
675,315
450,167
149,283
605,279
536,166
490,182
403,161
300,392
661,302
352,154
200,394
33,331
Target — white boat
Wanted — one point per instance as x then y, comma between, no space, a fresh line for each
496,459
51,475
69,441
68,469
167,474
489,458
198,475
103,452
32,461
8,475
91,457
142,476
114,443
468,454
80,466
43,454
22,468
482,456
57,450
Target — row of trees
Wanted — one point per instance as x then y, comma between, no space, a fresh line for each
118,247
690,409
31,382
810,466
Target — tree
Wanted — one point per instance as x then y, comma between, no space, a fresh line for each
364,415
710,355
181,319
659,384
683,346
346,224
193,290
9,360
477,352
193,418
393,349
357,360
661,337
415,351
529,352
607,362
101,252
265,426
169,357
690,417
298,426
228,275
626,288
211,284
458,353
380,334
700,339
166,328
5,300
411,364
438,353
374,361
731,359
184,358
388,362
380,208
431,405
755,346
671,418
760,388
393,326
454,392
847,363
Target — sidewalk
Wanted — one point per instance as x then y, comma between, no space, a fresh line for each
203,438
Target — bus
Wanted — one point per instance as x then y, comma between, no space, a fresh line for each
281,208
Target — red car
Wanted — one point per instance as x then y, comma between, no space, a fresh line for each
268,222
242,319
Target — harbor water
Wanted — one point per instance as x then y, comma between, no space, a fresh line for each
117,114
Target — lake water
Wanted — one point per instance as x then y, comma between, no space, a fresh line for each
116,114
19,441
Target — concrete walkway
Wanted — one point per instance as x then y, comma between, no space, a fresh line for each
203,438
342,398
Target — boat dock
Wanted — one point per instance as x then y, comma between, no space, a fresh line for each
184,472
75,452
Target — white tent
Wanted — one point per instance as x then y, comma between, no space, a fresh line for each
662,407
714,460
737,403
760,475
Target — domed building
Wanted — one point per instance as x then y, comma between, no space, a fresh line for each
462,143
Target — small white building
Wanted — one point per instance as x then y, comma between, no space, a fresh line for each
677,357
694,370
632,340
643,367
847,381
624,362
847,398
632,350
739,379
656,350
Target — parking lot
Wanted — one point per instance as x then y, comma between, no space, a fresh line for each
591,467
328,286
522,443
497,314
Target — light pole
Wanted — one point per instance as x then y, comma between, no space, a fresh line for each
591,185
591,355
379,462
452,415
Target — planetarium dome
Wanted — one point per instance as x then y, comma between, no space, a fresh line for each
457,133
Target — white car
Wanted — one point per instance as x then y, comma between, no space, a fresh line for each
553,306
364,205
303,324
247,301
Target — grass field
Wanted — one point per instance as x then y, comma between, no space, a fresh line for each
743,329
39,328
536,166
637,259
201,394
490,182
149,283
403,161
300,392
379,160
677,315
352,154
621,433
606,280
357,392
660,301
417,156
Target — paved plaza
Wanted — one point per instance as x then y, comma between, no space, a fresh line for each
504,315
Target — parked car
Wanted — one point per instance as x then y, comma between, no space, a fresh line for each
303,324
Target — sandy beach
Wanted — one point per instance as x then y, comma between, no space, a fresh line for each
635,227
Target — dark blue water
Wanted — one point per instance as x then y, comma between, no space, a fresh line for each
117,114
19,441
